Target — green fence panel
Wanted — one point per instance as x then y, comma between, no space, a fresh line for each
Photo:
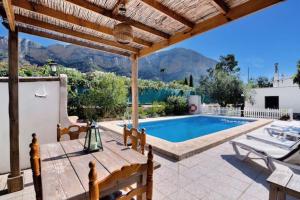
148,96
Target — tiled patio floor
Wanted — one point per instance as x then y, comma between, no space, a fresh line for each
26,194
212,175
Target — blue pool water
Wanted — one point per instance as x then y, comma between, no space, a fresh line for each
179,130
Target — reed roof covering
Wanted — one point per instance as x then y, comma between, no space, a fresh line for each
156,23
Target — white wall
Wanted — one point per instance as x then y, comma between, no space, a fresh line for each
196,100
38,115
289,97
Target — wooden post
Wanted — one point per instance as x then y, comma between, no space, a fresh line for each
134,91
93,184
150,174
36,166
143,141
15,178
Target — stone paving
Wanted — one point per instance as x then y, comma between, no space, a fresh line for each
214,174
26,194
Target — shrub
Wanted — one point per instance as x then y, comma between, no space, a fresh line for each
106,94
285,118
157,109
176,105
142,113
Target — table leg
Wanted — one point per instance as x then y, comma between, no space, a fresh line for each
273,192
281,195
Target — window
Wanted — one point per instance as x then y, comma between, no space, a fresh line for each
272,102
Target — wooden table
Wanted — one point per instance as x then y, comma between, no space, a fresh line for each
64,167
283,182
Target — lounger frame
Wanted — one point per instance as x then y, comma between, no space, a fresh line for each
270,161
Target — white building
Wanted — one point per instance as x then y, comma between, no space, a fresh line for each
283,94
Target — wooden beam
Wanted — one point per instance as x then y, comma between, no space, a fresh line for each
15,179
67,31
108,13
164,9
134,91
71,40
9,14
234,13
221,6
41,9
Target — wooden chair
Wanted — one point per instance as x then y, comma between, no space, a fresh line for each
36,166
95,186
73,131
138,139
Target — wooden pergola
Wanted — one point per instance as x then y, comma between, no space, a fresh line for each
89,23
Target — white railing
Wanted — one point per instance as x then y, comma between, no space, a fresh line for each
268,113
220,111
248,112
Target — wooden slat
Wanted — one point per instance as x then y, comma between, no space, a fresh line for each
126,153
110,160
59,180
80,162
109,13
170,13
234,13
71,40
38,8
9,14
221,5
59,29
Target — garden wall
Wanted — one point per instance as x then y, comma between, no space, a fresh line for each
42,103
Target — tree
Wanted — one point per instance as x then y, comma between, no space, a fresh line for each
162,72
191,81
222,84
297,76
226,89
228,64
186,81
263,82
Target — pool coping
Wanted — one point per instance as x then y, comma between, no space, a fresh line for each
181,150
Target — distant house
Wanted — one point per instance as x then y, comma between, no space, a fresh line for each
283,94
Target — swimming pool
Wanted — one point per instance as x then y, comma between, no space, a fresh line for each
182,129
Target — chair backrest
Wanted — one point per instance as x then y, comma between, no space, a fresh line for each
138,139
95,186
36,166
73,131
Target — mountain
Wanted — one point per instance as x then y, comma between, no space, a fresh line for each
177,63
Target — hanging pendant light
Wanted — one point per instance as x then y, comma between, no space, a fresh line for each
123,32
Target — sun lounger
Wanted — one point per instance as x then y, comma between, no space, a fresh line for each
277,140
283,131
269,153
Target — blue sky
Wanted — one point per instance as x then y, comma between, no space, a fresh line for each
258,40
